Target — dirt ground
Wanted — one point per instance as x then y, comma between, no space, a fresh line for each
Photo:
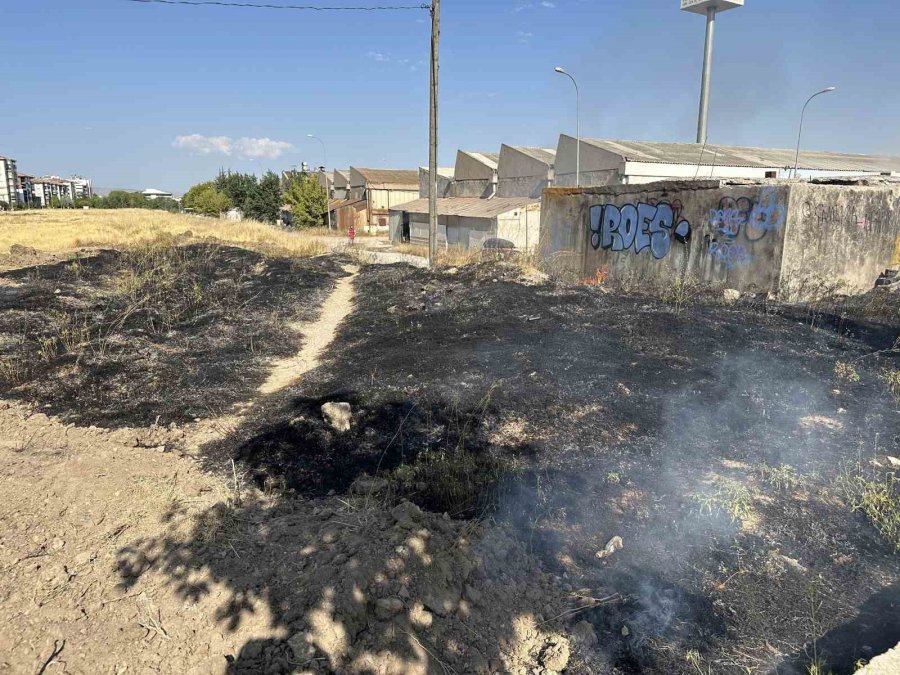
197,513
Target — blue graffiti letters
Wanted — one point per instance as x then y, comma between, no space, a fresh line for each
638,227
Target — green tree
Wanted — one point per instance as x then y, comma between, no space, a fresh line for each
265,202
308,201
205,198
242,188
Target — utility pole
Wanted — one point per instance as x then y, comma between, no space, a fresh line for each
433,132
710,8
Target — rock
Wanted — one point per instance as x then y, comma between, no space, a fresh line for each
731,296
385,608
611,547
584,635
407,515
555,654
368,485
300,645
894,461
337,415
452,270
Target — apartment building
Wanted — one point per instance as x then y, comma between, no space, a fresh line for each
49,189
8,181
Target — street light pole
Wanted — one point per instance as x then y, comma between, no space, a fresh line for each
325,175
562,71
800,132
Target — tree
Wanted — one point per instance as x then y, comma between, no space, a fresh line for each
265,202
205,198
241,188
308,201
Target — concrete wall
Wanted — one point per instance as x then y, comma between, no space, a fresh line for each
766,236
521,227
521,175
471,188
443,184
702,230
849,233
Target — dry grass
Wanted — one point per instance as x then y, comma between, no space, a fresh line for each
454,256
61,230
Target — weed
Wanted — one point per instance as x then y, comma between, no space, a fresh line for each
730,497
783,477
613,478
846,371
13,369
877,496
891,377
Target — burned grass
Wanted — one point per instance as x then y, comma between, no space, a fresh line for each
724,429
159,333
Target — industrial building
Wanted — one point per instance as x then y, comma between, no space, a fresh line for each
471,222
8,182
786,238
525,172
615,162
475,174
340,184
382,189
444,181
347,212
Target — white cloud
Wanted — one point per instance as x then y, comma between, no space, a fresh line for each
548,5
244,148
523,7
524,36
379,57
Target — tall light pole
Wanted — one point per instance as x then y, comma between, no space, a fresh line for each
325,176
710,8
800,132
562,71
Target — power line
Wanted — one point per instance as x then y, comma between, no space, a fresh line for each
311,8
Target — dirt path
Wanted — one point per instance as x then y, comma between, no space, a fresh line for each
317,336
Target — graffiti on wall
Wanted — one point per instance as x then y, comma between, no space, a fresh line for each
638,227
742,220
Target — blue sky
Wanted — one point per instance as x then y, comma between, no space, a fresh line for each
140,96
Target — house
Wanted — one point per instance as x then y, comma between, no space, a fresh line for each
475,174
84,187
614,162
444,181
8,183
525,172
382,189
48,191
471,222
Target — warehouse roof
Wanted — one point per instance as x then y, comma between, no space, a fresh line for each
335,204
545,155
729,155
375,177
490,159
469,206
446,172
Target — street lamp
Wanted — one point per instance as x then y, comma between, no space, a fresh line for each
800,133
325,174
561,71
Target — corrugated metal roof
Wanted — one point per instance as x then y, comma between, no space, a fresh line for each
389,176
472,207
545,155
334,204
730,155
491,159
